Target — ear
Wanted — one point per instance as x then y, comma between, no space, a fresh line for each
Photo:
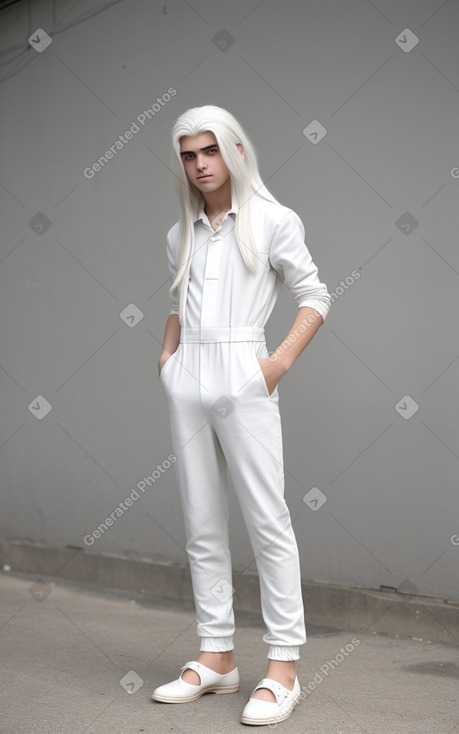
241,149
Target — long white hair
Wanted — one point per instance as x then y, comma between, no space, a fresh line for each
245,183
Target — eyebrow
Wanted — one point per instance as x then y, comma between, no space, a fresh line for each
187,152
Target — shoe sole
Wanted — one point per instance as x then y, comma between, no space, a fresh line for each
187,699
271,719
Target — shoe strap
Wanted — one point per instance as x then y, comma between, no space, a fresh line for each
193,665
206,674
280,691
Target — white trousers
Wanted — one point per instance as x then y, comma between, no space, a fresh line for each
223,419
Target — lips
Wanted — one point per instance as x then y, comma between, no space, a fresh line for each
208,175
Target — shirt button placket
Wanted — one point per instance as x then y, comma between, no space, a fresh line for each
209,304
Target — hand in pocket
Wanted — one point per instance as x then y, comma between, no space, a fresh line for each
270,372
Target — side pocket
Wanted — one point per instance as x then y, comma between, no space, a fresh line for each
261,376
166,363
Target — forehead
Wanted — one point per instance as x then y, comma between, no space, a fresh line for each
196,142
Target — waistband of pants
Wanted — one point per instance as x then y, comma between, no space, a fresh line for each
222,334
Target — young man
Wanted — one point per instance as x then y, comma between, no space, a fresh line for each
232,250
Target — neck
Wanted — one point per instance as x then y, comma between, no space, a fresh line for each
218,201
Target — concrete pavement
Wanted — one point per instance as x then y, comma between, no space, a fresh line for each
66,645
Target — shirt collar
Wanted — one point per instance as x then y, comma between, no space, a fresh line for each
202,215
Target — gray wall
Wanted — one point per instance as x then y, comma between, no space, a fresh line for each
378,195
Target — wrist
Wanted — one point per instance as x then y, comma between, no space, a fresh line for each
163,357
282,361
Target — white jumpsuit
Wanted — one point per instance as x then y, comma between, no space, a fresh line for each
223,419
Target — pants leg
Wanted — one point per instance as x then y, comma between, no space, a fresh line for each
251,439
202,479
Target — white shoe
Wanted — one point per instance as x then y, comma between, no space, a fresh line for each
258,712
179,691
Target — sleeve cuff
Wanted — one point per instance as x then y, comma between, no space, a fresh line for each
320,307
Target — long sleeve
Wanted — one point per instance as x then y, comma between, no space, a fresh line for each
291,258
172,264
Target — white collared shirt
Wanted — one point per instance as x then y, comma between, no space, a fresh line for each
222,291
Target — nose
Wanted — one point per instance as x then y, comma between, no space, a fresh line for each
200,162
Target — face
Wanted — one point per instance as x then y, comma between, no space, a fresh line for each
202,158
